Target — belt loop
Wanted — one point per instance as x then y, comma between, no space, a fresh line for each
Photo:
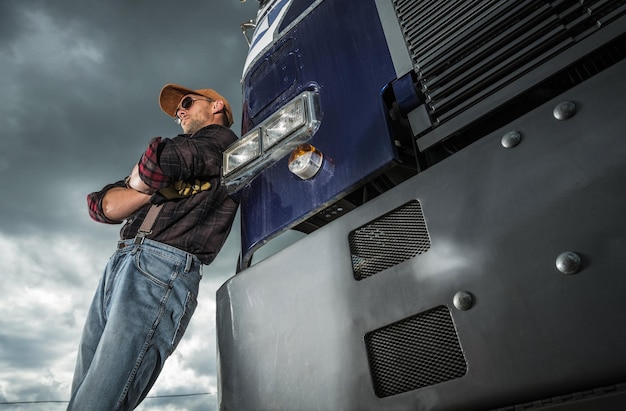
188,263
135,247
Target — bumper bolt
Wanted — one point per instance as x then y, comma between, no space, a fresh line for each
568,262
463,300
564,110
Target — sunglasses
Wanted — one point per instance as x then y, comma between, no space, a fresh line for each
186,104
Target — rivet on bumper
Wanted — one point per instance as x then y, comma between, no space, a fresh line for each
568,262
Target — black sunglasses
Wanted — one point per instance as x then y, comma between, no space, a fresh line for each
186,104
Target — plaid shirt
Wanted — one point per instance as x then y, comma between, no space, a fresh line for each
198,224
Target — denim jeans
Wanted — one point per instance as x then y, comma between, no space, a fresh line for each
139,313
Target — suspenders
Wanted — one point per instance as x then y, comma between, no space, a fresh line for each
146,226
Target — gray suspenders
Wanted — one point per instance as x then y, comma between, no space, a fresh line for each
146,226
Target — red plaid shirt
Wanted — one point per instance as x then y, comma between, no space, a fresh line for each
198,224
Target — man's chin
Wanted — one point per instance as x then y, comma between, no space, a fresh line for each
190,126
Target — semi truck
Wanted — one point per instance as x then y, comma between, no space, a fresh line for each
451,175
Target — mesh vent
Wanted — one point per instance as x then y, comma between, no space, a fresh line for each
414,353
464,51
389,240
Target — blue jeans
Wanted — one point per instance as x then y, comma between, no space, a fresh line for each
139,313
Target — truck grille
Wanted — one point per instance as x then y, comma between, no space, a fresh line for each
414,353
465,51
389,240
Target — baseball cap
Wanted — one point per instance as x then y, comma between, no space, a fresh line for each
171,94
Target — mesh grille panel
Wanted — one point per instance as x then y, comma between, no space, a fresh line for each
389,240
465,51
416,352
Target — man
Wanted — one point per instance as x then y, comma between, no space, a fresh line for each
177,218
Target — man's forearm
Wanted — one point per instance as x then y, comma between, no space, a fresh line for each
119,203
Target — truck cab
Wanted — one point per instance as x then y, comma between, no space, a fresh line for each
455,171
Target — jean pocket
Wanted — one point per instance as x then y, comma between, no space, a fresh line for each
157,267
181,326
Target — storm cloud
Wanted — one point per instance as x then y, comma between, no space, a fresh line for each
80,82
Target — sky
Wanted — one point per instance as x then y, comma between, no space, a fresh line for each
80,82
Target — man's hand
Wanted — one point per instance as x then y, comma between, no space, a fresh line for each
134,181
181,189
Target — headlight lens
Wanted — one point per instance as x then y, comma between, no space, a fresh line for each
284,122
271,140
241,153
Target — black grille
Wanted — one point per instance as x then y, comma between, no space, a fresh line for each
414,353
464,51
389,240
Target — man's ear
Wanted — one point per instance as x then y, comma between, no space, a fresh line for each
218,106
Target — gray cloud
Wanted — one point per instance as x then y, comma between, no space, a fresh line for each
82,84
80,81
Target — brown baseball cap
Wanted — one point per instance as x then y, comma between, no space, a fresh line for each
171,94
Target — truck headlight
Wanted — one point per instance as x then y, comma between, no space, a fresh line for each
240,154
271,140
287,120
